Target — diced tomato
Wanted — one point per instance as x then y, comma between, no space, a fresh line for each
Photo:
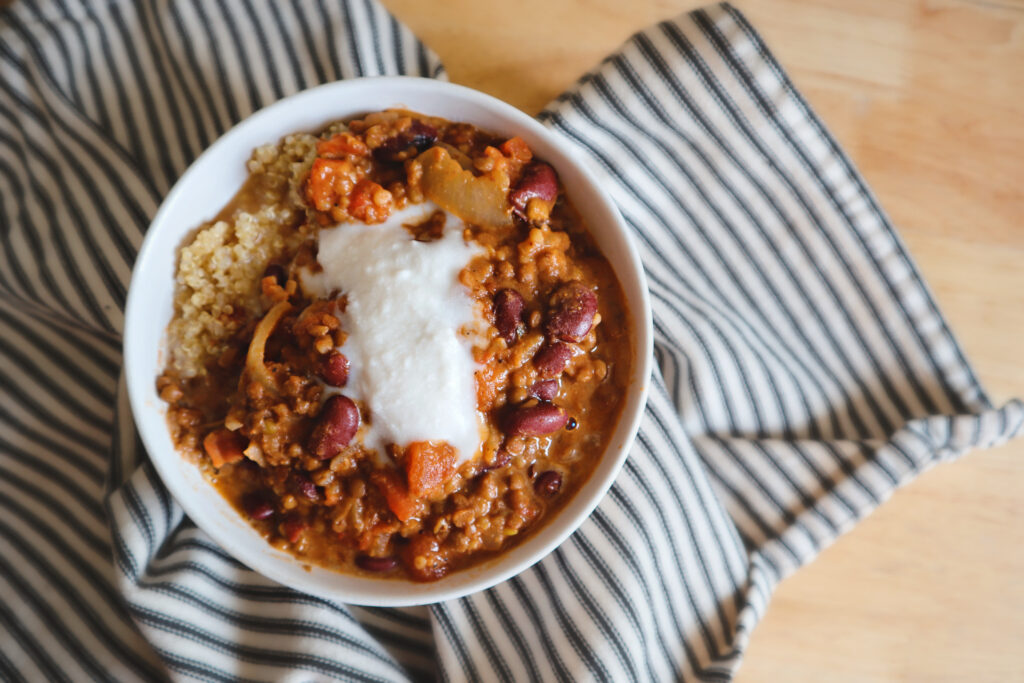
362,202
223,446
320,189
516,148
396,493
340,145
428,465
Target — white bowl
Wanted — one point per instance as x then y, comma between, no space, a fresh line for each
213,179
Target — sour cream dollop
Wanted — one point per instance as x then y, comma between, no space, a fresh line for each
411,365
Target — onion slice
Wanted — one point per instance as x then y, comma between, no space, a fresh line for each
478,200
255,367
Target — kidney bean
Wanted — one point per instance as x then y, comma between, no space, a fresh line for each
339,420
545,390
548,483
257,505
306,487
376,564
572,312
419,135
552,358
538,181
538,420
508,314
334,369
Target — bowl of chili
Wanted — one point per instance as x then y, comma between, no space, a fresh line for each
268,330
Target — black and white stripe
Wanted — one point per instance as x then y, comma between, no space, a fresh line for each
805,371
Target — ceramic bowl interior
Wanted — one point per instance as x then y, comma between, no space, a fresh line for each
213,179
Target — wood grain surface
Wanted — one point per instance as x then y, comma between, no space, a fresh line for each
928,99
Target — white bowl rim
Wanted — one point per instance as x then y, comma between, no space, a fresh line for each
140,382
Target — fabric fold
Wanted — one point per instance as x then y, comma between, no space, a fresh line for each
804,370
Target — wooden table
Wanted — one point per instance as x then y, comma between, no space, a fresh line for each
928,98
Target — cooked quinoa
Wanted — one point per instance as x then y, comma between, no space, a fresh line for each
217,282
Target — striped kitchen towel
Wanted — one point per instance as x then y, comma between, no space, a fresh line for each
804,371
